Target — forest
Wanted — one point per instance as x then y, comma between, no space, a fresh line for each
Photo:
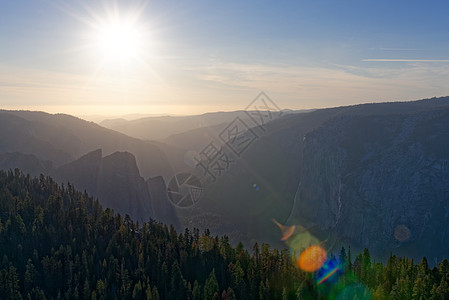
59,243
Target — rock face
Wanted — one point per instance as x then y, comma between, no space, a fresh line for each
114,179
163,210
379,182
83,173
121,186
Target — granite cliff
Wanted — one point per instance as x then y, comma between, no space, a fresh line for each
379,181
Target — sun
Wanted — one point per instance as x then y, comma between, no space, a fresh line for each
119,39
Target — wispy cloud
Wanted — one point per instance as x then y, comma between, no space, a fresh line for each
332,85
404,60
399,49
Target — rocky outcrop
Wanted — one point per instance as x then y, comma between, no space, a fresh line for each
83,173
120,186
115,180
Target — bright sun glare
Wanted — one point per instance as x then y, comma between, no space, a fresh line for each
119,39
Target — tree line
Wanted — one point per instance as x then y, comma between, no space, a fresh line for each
59,243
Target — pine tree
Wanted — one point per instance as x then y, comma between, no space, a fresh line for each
211,286
230,295
443,267
29,276
443,289
196,292
423,268
9,284
349,265
366,272
419,289
177,283
262,291
155,293
237,278
342,258
86,290
137,291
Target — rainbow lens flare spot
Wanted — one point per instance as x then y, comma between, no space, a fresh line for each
327,275
312,259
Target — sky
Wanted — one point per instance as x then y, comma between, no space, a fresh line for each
196,56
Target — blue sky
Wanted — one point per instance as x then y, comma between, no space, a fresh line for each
217,55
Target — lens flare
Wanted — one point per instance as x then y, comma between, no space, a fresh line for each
401,233
312,259
327,275
287,231
256,187
301,239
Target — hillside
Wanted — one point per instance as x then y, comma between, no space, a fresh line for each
62,138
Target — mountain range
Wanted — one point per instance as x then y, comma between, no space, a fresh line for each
370,175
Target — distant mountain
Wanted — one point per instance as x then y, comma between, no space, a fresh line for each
63,138
160,128
156,128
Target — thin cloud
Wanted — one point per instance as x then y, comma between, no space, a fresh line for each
321,86
399,49
404,60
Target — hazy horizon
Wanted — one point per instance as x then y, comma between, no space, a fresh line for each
98,115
